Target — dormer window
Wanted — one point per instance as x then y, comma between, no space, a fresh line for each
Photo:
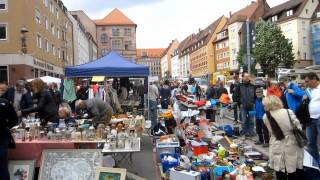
290,12
274,18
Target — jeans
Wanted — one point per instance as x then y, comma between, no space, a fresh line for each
313,136
262,131
153,112
4,173
247,122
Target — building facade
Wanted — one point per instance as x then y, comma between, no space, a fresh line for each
237,29
35,39
315,36
116,32
166,71
175,64
90,31
202,50
80,42
184,58
222,53
294,19
151,58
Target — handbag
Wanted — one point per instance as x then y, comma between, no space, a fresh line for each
299,135
302,113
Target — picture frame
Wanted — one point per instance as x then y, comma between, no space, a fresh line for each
104,173
21,169
69,163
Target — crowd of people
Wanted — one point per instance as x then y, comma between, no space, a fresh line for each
38,100
266,115
270,116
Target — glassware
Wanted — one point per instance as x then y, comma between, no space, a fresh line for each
62,124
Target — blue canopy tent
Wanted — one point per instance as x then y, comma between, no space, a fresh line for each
110,65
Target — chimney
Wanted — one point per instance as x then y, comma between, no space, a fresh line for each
199,30
230,14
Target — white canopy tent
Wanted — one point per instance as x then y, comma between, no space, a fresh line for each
48,80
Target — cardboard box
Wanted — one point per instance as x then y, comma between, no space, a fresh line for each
185,175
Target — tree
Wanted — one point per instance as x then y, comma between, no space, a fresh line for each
271,48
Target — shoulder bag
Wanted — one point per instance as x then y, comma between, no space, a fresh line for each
299,134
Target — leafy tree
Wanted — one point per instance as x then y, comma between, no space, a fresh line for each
271,48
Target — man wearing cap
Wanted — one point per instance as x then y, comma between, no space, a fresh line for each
99,110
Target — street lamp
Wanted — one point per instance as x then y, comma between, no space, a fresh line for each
23,37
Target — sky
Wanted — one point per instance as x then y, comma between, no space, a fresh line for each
161,21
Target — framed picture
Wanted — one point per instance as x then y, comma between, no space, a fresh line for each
66,164
21,170
103,173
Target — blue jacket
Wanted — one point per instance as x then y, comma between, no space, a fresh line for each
259,109
295,99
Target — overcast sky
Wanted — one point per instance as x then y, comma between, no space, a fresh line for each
160,21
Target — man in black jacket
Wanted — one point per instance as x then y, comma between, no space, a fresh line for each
8,119
235,98
19,97
246,98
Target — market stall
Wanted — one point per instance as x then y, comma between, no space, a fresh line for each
121,135
206,150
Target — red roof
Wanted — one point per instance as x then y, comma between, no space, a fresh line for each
244,14
115,17
152,52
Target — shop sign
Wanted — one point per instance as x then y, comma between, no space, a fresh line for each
42,65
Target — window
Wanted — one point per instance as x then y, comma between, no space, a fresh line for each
63,55
46,2
290,12
3,31
58,33
50,7
57,13
52,29
66,25
53,50
3,4
104,38
116,44
127,32
274,18
46,45
304,40
63,35
38,16
46,23
38,41
103,52
116,32
103,28
306,11
303,24
58,53
127,45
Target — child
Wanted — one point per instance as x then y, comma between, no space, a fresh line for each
261,128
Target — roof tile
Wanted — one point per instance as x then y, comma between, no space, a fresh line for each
115,17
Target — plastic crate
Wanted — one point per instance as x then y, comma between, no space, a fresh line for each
167,165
